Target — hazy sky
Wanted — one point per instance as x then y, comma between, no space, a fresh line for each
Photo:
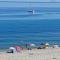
24,0
15,4
33,0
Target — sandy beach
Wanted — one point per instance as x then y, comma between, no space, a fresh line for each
35,54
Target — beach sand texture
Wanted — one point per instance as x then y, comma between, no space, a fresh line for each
35,54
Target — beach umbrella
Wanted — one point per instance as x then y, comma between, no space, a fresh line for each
33,45
30,45
18,48
56,46
12,48
46,43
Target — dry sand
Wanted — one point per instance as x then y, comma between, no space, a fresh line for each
35,54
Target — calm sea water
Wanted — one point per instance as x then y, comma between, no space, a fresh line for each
18,26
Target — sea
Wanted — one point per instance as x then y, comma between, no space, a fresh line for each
19,26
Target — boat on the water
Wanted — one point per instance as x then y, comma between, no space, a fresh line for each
31,11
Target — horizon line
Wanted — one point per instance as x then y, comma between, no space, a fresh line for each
29,2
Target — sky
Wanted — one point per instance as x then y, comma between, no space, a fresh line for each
33,0
26,0
15,4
